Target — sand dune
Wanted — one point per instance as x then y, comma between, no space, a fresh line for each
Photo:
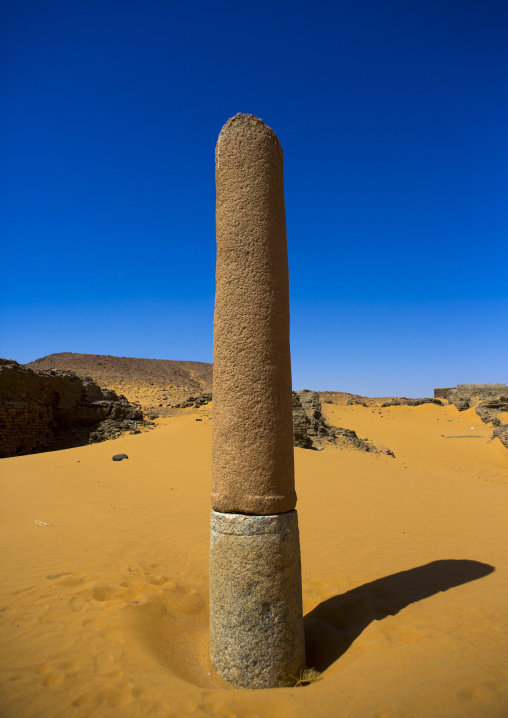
405,575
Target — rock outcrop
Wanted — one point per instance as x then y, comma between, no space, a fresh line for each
154,382
490,402
310,431
194,401
404,401
49,410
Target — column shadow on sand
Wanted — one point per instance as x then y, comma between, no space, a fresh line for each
334,624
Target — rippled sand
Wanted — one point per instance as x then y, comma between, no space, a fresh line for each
405,575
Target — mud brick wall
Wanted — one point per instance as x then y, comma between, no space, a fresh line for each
46,410
24,427
441,393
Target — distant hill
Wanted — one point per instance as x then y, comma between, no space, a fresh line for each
152,382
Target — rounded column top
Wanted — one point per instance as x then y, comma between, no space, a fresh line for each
245,124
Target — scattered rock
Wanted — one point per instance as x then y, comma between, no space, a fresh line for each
195,401
120,457
404,401
349,438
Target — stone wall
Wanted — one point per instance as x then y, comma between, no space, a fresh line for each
471,389
481,387
441,393
44,411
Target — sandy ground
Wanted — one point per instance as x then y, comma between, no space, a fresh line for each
405,575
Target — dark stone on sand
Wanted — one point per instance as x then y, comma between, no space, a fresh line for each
119,457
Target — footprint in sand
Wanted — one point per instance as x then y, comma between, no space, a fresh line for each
403,634
25,621
111,697
151,580
70,578
146,587
103,627
80,601
50,675
103,663
480,690
23,591
183,599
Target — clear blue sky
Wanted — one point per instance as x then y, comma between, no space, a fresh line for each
393,117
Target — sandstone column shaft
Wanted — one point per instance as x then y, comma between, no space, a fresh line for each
253,468
256,622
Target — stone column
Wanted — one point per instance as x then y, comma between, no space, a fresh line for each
256,623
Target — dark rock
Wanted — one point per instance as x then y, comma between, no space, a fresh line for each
310,429
119,457
492,400
501,432
300,424
348,437
404,401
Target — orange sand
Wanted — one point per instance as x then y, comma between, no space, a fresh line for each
105,612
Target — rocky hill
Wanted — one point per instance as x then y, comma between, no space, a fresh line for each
154,383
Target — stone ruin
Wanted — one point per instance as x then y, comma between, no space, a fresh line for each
310,430
490,401
51,410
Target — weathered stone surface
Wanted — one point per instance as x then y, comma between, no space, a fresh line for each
491,402
501,432
349,439
256,628
311,430
470,390
48,410
404,401
252,445
301,424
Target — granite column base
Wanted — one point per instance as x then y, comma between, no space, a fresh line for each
256,618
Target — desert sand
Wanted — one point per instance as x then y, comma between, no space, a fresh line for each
405,574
